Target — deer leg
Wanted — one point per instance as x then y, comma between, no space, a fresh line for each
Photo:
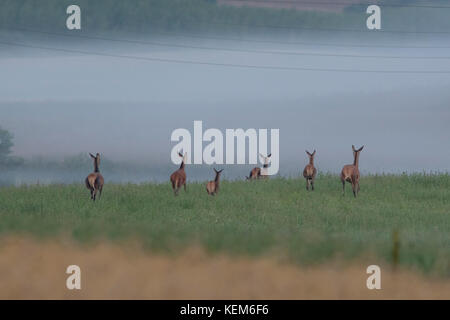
307,184
184,187
354,188
175,187
94,194
312,184
343,187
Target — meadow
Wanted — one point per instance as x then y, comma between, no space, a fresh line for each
274,217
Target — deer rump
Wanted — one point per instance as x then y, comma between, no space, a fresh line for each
94,181
178,179
350,173
211,187
309,172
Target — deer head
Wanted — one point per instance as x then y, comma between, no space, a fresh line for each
266,159
311,156
217,173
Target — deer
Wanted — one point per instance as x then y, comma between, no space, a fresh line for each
257,172
254,174
212,187
178,178
265,165
350,172
94,181
310,171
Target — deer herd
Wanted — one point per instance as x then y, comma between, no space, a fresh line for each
350,173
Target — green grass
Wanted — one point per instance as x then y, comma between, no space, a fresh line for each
252,218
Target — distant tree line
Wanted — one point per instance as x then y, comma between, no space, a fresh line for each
72,162
6,144
148,15
204,15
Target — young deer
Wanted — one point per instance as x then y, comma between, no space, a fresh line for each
178,178
310,171
350,172
254,174
265,165
94,181
212,187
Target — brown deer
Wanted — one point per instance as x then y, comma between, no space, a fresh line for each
178,178
350,172
310,171
212,187
94,181
254,174
257,172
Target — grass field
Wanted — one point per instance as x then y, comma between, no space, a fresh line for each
275,217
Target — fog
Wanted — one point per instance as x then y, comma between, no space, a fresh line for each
65,103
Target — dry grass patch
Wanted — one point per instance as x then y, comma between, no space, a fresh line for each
36,270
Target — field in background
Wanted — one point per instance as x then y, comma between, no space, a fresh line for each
276,217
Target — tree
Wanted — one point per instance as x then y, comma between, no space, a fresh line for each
6,160
5,145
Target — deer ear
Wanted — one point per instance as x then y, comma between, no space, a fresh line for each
361,148
308,153
314,153
269,155
92,156
353,147
180,154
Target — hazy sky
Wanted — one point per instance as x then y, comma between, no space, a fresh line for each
61,103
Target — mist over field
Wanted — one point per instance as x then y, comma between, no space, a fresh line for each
60,104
